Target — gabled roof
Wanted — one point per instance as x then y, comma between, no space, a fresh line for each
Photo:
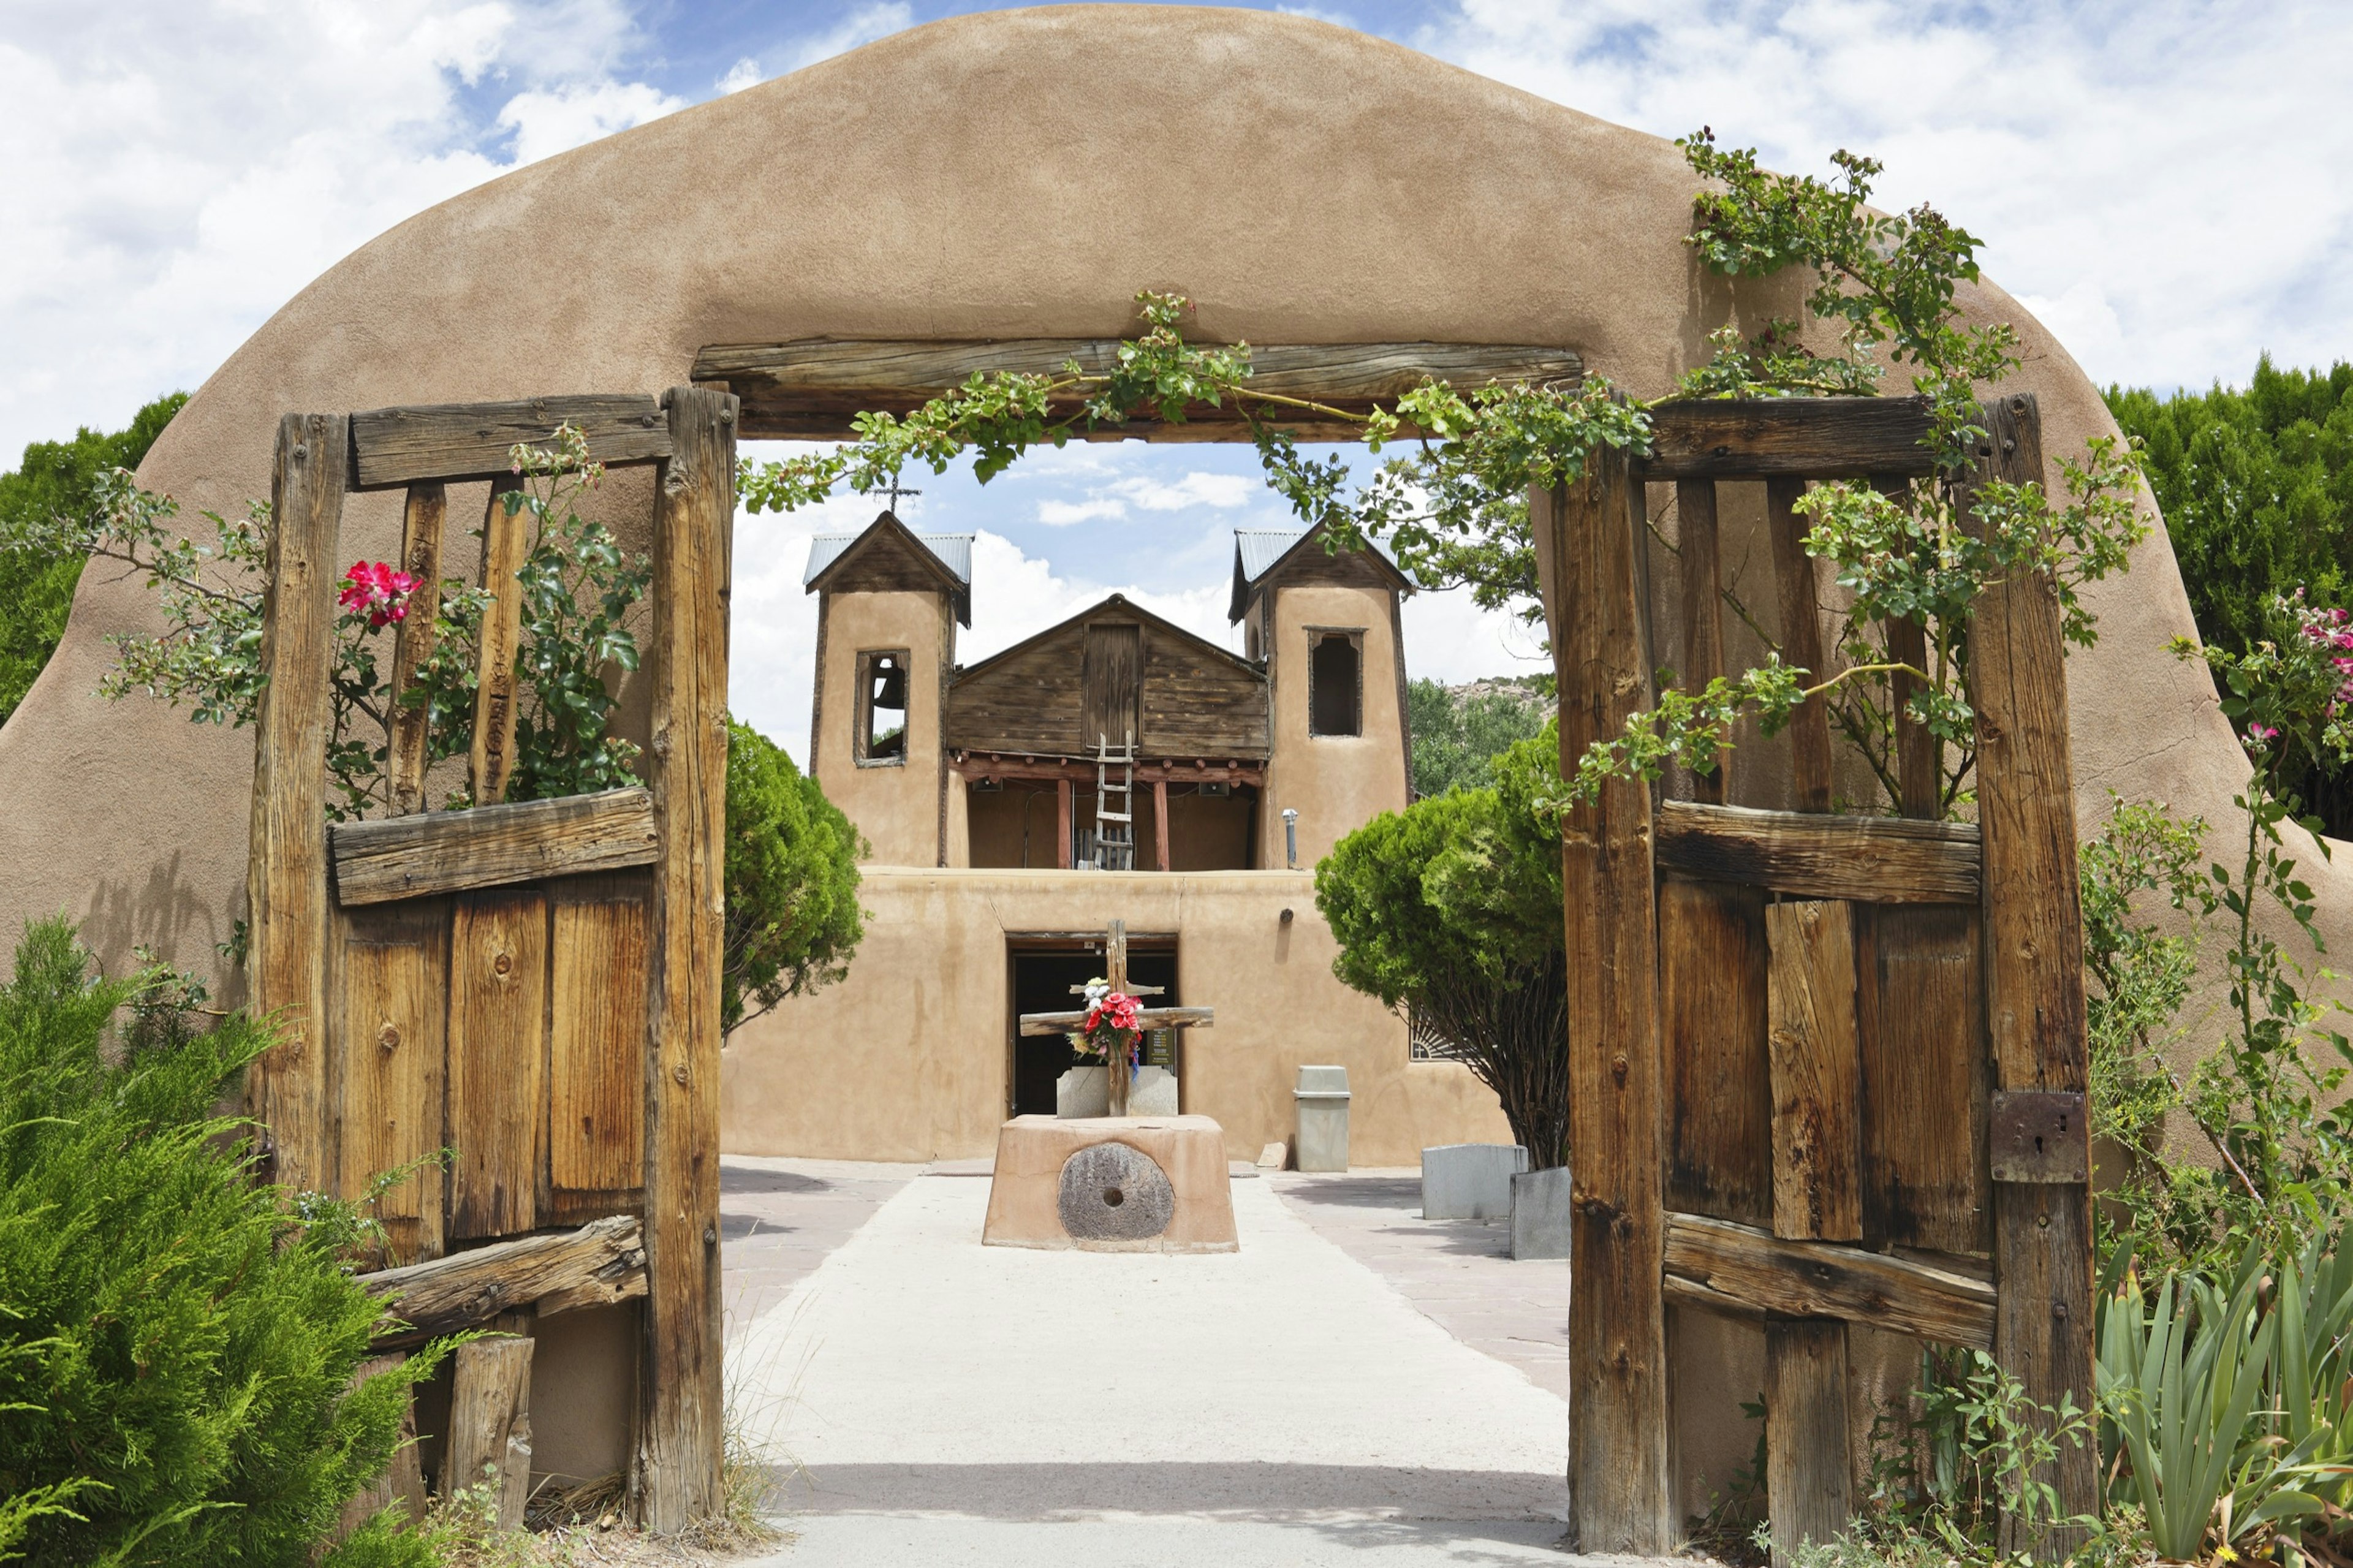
1126,607
1261,552
946,556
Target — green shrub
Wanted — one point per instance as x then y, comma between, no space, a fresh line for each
176,1344
792,919
37,589
1451,912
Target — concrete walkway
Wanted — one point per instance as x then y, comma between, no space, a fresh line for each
933,1401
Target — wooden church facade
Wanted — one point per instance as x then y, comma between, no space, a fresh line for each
1112,767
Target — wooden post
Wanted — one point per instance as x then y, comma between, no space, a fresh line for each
1919,764
506,540
1063,823
2034,969
412,645
286,885
1115,1079
1809,1470
1160,819
1695,533
403,1481
1621,1492
676,1474
1801,642
490,1423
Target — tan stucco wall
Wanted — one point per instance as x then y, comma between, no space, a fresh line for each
1339,783
907,1058
896,805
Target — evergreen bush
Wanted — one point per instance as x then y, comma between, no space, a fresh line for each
177,1341
792,919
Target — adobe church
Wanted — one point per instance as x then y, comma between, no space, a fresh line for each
1112,767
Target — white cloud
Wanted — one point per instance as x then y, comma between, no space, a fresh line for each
862,25
744,73
1222,491
1062,513
2166,178
560,119
176,176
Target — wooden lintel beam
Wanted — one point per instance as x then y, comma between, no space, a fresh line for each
452,442
491,846
1046,769
1789,438
1868,860
811,388
603,1260
1818,1279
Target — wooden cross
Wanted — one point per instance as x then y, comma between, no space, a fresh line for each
1115,973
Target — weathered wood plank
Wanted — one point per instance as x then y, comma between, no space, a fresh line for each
1712,1005
286,875
1919,755
490,1423
1696,541
450,442
1922,1018
1621,1492
811,388
1801,642
1809,1473
1795,438
498,1060
1866,859
676,1469
412,644
403,1481
1062,1023
597,1034
468,1289
2033,955
1817,1072
1815,1280
392,1022
491,846
506,541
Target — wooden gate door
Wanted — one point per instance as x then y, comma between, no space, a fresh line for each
1826,1069
533,986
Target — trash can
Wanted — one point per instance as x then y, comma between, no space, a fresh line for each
1323,1101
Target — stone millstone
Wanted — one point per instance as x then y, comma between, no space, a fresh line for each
1111,1191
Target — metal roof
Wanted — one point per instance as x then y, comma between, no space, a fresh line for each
955,551
1260,548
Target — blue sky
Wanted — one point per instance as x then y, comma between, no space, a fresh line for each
2164,183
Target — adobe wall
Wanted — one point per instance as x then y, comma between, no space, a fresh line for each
1339,783
896,804
908,1058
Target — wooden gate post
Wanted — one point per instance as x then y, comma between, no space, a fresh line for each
1620,1490
680,1404
286,869
2034,980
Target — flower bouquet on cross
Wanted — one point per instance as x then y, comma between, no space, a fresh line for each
1112,1025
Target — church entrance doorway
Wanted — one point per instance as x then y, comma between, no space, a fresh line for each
1043,975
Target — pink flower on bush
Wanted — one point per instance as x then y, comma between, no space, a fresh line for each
375,590
2261,734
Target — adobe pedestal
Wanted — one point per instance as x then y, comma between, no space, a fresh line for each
1113,1184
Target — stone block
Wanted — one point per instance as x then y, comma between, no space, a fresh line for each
1082,1093
1469,1181
1321,1101
1111,1184
1540,1211
1274,1156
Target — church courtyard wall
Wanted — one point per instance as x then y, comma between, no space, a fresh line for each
908,1058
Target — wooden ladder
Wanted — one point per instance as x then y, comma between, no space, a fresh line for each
1114,830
